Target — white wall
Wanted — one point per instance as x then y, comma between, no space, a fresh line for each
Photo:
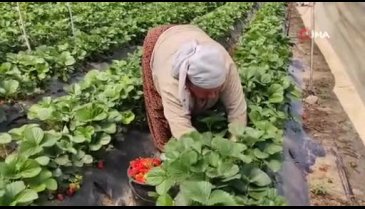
345,24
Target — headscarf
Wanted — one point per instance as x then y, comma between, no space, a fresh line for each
204,65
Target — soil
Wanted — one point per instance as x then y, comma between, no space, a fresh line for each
337,179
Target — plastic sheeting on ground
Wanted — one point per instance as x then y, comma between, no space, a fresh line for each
300,152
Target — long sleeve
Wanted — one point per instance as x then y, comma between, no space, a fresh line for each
178,119
233,97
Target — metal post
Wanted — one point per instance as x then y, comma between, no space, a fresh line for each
71,18
312,50
22,26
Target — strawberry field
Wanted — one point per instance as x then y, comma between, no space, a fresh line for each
45,153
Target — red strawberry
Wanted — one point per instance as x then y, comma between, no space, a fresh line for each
72,186
140,178
101,164
60,197
156,162
70,192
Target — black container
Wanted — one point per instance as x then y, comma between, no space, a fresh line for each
140,191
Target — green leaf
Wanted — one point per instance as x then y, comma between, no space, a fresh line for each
213,172
104,139
164,200
14,158
259,154
62,160
276,98
127,117
26,196
246,159
57,172
30,169
38,183
266,78
86,132
50,138
10,86
80,154
78,139
51,184
90,112
95,147
34,134
153,195
67,58
223,146
5,138
200,167
273,148
164,187
14,188
115,116
78,163
178,170
237,176
38,187
43,160
38,112
198,191
222,198
213,158
2,192
228,169
228,148
156,176
28,148
109,128
257,195
276,92
189,157
181,200
236,129
274,165
259,177
87,159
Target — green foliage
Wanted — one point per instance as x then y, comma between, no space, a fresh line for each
201,169
57,52
206,169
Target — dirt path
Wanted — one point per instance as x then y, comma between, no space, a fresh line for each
326,121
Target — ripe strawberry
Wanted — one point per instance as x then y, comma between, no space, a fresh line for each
60,197
101,164
70,192
156,162
72,186
140,178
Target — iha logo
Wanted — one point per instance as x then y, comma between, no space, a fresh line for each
305,34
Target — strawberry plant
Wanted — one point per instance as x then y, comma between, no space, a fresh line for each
15,193
203,169
33,69
81,122
228,13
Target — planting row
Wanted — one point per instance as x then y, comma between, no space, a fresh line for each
26,72
73,127
49,23
207,168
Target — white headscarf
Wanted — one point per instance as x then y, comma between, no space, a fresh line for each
204,65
